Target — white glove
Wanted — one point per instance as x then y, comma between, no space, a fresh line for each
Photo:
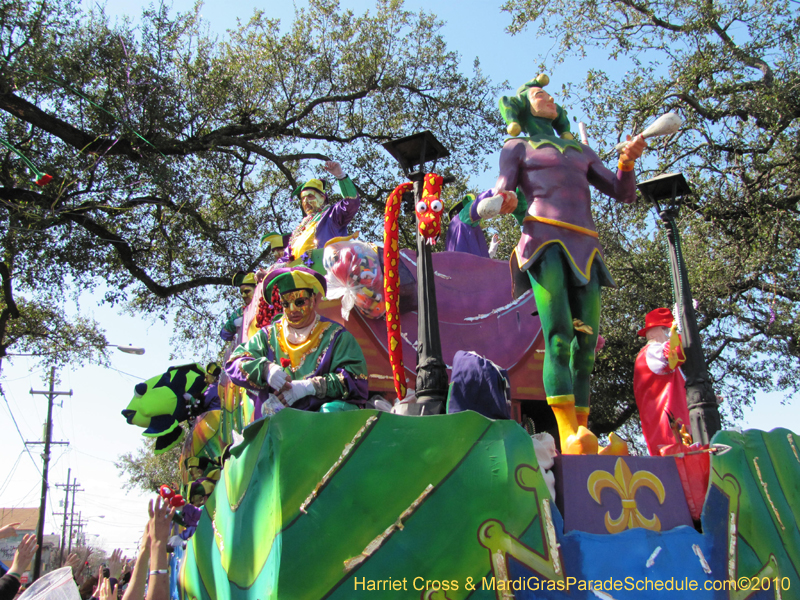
490,207
276,377
334,168
175,541
299,389
237,322
493,245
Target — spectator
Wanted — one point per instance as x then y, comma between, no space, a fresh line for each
159,526
10,582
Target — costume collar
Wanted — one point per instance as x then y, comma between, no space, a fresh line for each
542,139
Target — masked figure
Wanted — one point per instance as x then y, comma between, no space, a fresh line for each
301,359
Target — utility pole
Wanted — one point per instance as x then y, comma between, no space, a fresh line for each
79,532
51,394
69,512
72,514
66,507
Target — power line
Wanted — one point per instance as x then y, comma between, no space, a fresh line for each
11,473
10,412
51,395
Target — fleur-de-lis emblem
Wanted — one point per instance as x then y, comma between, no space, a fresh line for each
626,485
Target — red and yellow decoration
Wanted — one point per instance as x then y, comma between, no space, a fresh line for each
429,226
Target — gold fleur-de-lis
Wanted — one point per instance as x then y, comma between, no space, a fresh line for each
626,485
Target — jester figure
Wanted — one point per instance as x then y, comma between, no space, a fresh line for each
300,360
322,221
559,248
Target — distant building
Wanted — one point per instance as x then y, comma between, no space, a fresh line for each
28,519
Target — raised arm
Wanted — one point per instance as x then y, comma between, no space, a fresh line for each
345,210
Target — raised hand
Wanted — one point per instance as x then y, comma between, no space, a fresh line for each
334,168
73,561
25,552
160,520
115,564
7,531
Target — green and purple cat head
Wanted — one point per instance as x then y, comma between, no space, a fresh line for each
518,112
161,403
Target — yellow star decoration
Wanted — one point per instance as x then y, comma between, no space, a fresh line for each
626,485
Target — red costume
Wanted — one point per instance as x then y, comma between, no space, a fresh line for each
659,390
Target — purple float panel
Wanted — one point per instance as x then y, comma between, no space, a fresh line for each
476,311
611,494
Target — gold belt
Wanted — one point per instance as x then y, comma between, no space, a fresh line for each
570,226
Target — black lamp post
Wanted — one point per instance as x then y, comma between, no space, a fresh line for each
700,397
431,385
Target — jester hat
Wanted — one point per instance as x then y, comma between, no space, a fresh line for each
200,462
213,369
243,278
312,184
517,109
275,240
288,279
203,486
458,206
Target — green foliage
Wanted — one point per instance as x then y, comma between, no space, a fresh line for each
172,152
730,70
146,471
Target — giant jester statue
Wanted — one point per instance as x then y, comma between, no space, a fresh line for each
559,250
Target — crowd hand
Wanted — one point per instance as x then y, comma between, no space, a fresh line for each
73,561
334,168
115,564
7,531
83,563
100,579
105,591
276,376
160,520
297,389
25,552
633,149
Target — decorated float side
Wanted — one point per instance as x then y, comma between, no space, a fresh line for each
370,503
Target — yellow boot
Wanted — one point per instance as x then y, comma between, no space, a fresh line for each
616,446
575,438
582,415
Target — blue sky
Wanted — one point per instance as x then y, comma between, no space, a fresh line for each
91,418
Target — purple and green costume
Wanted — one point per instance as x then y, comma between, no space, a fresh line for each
229,328
560,250
464,233
330,222
330,352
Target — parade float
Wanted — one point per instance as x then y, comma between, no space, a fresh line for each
368,503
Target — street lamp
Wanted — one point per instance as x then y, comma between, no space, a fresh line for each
127,349
700,397
431,384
